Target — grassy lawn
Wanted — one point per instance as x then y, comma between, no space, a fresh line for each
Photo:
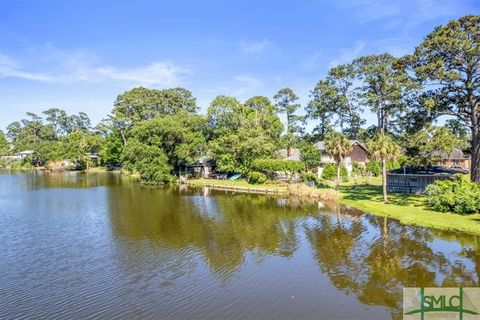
408,209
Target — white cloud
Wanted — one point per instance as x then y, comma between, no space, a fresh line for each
347,55
247,46
71,67
156,73
10,69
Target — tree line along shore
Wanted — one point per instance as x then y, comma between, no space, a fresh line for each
424,102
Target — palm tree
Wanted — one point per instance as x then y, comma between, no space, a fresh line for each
383,147
337,146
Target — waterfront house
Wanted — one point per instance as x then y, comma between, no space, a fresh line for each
358,154
202,168
19,156
26,153
294,154
457,159
415,180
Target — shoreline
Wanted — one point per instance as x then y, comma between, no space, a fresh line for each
407,209
367,197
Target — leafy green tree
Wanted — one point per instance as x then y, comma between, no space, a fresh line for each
310,156
111,151
458,129
4,146
385,87
141,104
320,109
239,134
367,134
13,131
449,58
236,151
383,148
60,121
29,133
78,144
79,122
334,96
179,136
225,115
148,160
285,100
338,147
263,113
421,145
50,150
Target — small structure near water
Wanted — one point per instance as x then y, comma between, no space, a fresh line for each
415,180
202,168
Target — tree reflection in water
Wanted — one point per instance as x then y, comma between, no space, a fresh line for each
374,258
222,227
369,257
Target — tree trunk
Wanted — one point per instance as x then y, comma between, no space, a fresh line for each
475,164
124,139
384,180
338,175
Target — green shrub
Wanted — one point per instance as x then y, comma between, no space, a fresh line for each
270,166
358,169
256,177
330,172
343,173
394,164
309,176
374,168
459,195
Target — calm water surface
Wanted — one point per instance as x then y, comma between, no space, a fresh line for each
79,246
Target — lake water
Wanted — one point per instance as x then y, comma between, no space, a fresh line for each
77,246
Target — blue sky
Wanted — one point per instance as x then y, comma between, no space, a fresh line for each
79,55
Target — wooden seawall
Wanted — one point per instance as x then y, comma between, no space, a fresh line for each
240,189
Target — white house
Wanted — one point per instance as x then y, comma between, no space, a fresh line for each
26,153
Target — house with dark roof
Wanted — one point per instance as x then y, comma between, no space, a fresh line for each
456,158
203,167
